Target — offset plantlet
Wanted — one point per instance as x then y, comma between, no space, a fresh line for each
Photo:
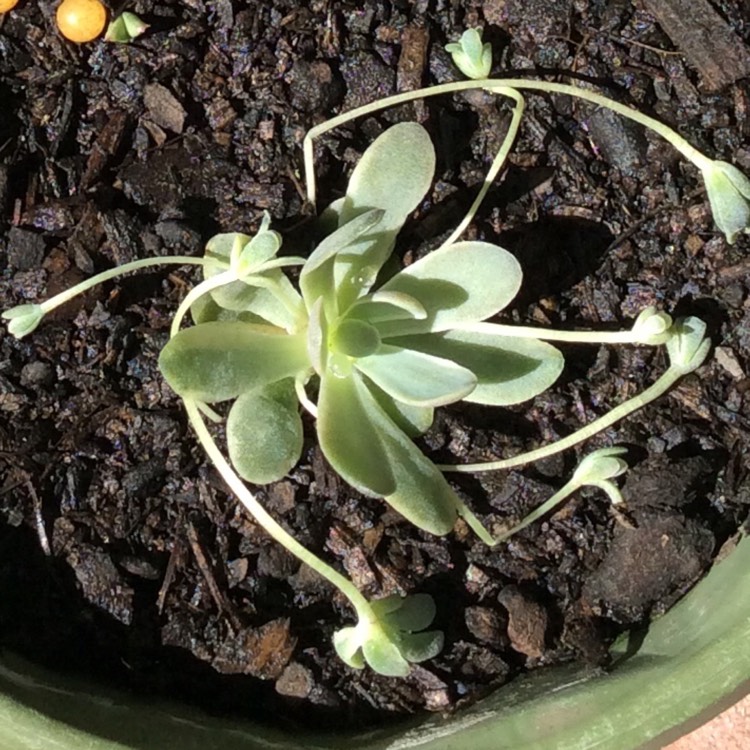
125,28
370,352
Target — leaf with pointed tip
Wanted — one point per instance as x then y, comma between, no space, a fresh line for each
258,251
264,432
509,370
317,276
220,360
416,378
259,297
457,284
220,249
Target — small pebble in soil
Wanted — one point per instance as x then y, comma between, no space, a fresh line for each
25,249
527,622
655,562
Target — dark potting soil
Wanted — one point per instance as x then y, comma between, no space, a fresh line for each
122,556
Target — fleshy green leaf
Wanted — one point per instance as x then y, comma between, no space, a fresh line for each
381,306
349,441
264,432
370,452
317,280
220,249
729,195
259,297
393,174
471,57
509,370
418,647
413,420
688,347
355,338
317,337
348,646
416,378
259,250
218,361
384,656
23,319
125,28
384,635
410,613
605,463
206,310
461,283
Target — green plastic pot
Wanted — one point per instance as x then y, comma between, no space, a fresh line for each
692,663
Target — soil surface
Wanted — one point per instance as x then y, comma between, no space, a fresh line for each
121,554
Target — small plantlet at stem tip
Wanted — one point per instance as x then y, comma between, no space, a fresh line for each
125,28
470,56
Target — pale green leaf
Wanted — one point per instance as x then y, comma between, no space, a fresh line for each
348,439
261,296
471,57
220,249
385,606
729,196
381,306
418,647
393,174
417,378
415,612
23,319
383,655
317,337
413,420
369,451
264,432
205,310
605,463
355,338
220,360
509,370
258,251
461,283
348,645
316,278
346,235
688,347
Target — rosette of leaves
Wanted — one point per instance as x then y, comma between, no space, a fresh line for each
384,350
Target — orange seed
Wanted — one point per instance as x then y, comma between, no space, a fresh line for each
6,5
81,20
